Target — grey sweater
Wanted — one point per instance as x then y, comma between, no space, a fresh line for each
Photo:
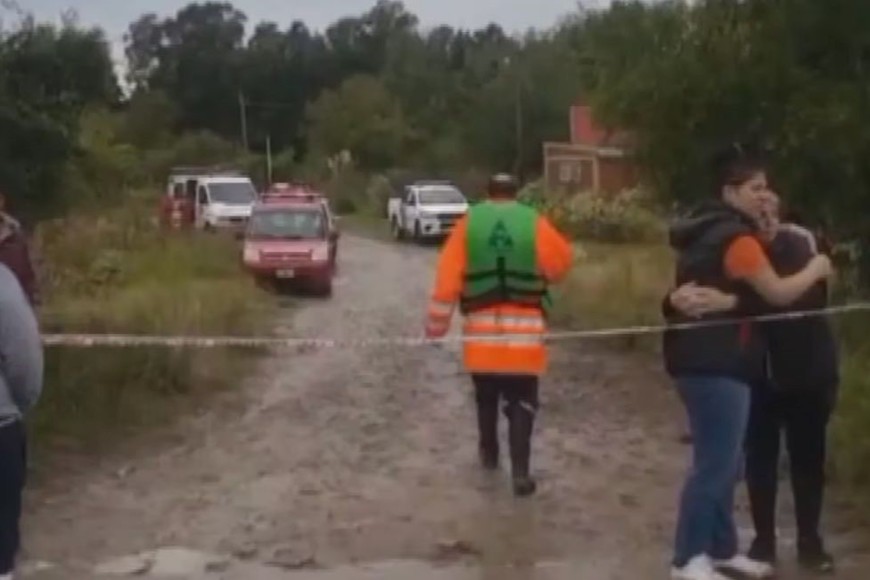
21,356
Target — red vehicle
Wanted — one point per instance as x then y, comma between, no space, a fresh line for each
292,240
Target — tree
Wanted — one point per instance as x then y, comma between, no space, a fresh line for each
194,58
48,76
362,117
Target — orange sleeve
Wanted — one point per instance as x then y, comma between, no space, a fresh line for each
745,257
452,262
555,253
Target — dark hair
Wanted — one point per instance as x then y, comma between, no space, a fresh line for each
503,185
736,164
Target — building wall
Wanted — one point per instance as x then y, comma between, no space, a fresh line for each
617,174
571,169
584,129
570,174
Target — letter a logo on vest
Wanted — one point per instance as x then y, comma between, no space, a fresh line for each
500,239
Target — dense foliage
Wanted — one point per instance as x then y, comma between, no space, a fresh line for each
683,77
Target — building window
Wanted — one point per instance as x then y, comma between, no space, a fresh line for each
566,172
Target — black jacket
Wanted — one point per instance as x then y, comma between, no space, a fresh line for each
734,350
803,352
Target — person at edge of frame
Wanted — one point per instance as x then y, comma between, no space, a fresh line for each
715,366
798,396
497,264
21,376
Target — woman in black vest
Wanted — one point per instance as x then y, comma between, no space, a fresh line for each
714,365
798,396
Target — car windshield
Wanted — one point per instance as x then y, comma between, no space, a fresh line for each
232,193
440,195
288,224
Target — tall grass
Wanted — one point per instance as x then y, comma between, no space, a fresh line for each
615,285
117,272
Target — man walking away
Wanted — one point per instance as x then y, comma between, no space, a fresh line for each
21,374
497,265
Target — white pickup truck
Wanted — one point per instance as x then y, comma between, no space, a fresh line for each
426,209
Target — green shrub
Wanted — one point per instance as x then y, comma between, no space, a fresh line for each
851,447
118,273
615,285
619,219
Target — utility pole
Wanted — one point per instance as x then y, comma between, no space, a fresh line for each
518,164
269,160
513,71
244,114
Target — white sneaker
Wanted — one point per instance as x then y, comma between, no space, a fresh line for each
698,568
744,566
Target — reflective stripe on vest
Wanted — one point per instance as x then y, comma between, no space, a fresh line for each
492,322
439,315
505,340
438,309
502,264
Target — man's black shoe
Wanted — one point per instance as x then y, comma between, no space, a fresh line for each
524,486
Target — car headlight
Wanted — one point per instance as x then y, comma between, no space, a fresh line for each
250,255
320,254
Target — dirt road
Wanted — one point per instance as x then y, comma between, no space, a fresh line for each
337,459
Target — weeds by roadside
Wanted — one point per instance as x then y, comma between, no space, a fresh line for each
117,272
615,285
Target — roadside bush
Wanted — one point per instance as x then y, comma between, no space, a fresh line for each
378,193
622,218
118,273
851,448
347,190
202,148
615,285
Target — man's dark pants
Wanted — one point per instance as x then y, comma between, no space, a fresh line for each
519,397
13,466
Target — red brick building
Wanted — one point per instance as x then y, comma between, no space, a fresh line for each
597,159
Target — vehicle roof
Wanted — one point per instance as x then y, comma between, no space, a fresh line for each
429,186
289,203
431,182
225,179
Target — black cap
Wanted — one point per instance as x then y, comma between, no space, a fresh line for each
503,184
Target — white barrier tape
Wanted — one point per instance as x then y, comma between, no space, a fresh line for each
130,340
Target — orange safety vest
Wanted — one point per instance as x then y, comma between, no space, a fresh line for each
503,338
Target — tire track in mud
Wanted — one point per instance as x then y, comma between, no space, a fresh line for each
341,456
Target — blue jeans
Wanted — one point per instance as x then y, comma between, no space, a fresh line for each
718,409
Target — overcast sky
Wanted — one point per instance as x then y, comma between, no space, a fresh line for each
114,16
514,15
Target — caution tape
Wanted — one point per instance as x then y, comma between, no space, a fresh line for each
204,342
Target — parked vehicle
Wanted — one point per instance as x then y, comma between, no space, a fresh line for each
426,209
207,199
292,240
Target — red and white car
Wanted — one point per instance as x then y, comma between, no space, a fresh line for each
292,240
